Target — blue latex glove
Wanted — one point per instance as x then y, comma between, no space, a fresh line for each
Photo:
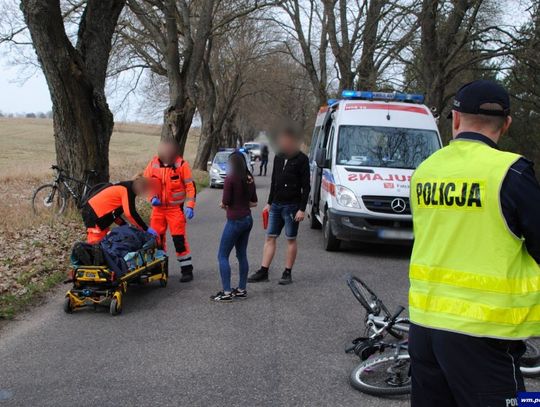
152,231
155,201
189,212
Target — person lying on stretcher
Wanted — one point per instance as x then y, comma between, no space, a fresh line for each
109,203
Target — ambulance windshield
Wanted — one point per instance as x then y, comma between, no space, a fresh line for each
387,147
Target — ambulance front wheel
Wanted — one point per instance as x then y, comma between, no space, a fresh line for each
68,308
331,242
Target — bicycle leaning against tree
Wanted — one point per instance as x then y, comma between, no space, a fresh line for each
52,198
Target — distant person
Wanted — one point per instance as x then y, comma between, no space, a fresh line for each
287,202
108,205
474,273
264,160
239,196
173,201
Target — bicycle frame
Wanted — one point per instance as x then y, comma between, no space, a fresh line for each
63,179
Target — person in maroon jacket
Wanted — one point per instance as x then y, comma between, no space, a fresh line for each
239,196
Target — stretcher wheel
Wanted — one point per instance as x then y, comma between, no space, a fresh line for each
115,308
68,309
163,282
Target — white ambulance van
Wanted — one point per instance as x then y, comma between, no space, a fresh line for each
364,150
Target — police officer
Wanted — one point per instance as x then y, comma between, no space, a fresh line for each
475,278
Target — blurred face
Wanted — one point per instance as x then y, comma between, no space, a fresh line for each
141,187
167,152
288,144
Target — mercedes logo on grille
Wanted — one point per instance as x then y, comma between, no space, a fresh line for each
399,205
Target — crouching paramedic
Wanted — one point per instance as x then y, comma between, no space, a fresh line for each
109,204
173,201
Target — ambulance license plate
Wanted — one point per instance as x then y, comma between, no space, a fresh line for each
396,234
90,275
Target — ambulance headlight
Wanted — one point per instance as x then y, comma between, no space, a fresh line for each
345,197
214,171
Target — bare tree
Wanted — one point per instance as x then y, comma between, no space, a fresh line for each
307,26
76,75
456,36
170,38
227,77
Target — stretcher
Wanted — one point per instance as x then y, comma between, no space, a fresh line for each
99,286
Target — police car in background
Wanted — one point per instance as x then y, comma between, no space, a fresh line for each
364,150
254,149
218,166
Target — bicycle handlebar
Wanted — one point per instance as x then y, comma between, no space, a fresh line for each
57,168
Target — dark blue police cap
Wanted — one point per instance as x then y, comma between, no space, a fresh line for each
474,94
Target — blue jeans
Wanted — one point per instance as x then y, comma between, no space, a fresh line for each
282,216
235,234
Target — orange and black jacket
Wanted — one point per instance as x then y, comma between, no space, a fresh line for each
109,204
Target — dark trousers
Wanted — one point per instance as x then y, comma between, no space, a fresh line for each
455,370
264,165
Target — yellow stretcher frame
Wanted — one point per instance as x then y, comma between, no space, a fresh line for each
111,296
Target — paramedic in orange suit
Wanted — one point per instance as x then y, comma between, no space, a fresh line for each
109,204
173,201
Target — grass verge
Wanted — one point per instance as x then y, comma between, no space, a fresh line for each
35,253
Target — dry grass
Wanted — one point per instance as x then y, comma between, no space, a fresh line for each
27,148
35,251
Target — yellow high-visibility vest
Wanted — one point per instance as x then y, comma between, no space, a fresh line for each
469,273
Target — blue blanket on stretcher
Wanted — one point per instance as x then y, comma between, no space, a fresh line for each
123,240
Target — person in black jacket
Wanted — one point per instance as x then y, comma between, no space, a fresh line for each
287,202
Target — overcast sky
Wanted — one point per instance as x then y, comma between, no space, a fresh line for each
32,96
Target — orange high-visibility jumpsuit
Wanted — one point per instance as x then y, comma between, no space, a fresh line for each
173,185
106,207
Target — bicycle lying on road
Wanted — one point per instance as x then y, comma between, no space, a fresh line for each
52,198
388,373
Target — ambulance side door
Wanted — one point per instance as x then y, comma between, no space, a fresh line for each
322,144
327,181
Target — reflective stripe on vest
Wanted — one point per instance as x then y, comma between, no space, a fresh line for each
468,272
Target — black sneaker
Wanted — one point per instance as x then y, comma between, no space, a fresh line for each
258,277
286,278
187,276
221,297
240,294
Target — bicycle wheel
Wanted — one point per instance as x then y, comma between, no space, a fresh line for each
366,297
48,199
386,375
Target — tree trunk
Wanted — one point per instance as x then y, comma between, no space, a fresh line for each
205,141
367,73
83,122
182,72
342,52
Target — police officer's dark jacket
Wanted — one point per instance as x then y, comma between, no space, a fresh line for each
290,180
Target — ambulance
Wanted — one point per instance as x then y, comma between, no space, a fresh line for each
364,150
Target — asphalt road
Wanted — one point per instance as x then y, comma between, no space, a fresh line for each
174,347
